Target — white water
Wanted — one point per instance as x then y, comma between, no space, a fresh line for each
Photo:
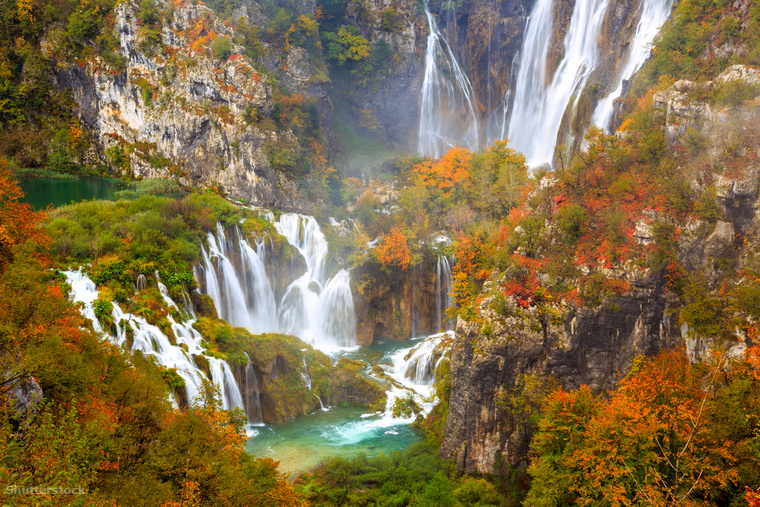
318,310
541,102
442,288
151,341
413,369
653,13
447,108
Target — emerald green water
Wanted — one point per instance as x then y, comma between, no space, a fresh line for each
301,444
44,192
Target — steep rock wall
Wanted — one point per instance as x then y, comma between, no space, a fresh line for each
396,305
180,111
583,347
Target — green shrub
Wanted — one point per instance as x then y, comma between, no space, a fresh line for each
222,47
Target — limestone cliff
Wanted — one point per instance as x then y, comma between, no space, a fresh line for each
581,347
400,304
181,108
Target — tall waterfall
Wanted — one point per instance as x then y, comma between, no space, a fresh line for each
540,103
653,13
442,288
152,341
447,110
314,308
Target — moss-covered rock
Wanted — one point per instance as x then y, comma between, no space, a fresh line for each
345,383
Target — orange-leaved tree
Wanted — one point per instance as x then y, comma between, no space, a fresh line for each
652,443
393,250
449,173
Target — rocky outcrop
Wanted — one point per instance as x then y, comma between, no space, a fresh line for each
285,378
26,396
690,105
591,346
399,304
181,108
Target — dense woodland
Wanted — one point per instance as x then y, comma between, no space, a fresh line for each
533,245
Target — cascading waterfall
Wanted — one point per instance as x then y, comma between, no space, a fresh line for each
447,109
540,103
420,363
413,370
314,308
230,292
152,341
442,289
653,14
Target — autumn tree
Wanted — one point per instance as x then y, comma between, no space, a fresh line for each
652,443
393,250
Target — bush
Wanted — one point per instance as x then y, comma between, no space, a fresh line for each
222,47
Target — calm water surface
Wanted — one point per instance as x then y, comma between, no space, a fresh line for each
44,192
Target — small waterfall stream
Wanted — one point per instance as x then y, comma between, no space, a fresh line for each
152,341
447,108
442,289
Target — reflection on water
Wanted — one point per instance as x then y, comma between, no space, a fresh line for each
43,192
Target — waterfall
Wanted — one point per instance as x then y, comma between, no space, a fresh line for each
307,381
447,108
152,341
540,103
419,364
652,15
314,308
230,291
413,372
442,289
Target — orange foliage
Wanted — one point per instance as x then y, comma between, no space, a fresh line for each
19,223
472,269
448,172
649,444
393,250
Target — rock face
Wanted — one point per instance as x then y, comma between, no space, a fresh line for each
181,112
27,396
585,347
388,107
403,304
686,105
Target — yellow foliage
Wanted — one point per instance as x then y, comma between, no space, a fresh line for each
25,11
